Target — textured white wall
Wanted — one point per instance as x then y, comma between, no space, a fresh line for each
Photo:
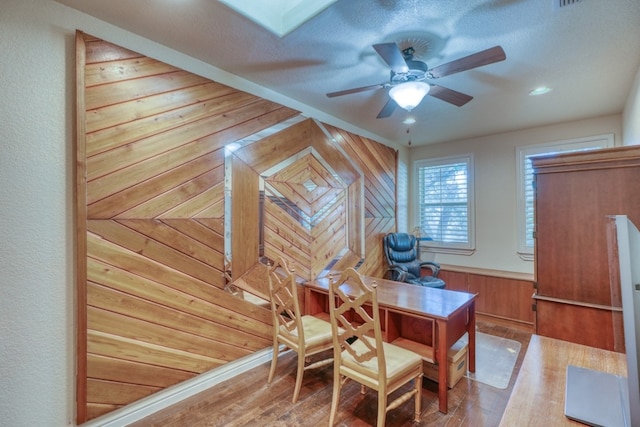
495,186
402,192
631,131
36,291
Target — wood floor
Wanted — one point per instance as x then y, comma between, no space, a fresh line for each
247,400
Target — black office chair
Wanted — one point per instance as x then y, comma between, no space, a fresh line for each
404,261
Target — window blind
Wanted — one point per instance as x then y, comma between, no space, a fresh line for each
443,202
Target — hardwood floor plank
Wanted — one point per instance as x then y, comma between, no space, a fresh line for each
247,400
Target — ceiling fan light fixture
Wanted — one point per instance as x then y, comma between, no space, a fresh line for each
408,95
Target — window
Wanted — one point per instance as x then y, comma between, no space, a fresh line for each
525,177
445,209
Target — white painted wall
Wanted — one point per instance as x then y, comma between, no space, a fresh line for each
36,219
402,192
496,186
631,114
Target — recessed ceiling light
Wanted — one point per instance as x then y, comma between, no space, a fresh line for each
540,91
409,120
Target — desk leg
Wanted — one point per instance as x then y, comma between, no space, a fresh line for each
443,366
471,330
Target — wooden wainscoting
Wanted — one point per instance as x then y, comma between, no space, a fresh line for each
503,297
159,300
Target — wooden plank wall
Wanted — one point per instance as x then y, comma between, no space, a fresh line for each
152,306
501,296
378,164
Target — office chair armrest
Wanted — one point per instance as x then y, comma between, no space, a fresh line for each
400,270
433,266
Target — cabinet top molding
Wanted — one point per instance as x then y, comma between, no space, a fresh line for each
596,159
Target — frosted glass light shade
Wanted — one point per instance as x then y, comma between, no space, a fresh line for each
408,95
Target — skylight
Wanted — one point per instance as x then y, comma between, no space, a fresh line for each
279,16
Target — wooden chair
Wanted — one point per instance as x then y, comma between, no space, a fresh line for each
359,352
306,335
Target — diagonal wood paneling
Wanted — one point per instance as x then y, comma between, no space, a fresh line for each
151,171
378,164
151,165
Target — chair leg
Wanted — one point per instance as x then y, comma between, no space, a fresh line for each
274,361
299,375
335,397
418,403
382,408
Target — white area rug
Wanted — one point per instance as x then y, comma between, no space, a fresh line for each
495,360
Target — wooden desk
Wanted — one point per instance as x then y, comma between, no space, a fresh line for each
415,317
537,398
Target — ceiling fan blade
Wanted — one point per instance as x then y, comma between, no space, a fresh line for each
356,90
485,57
449,95
387,110
391,54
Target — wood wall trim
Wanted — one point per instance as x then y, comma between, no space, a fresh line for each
605,158
577,303
500,296
488,272
81,233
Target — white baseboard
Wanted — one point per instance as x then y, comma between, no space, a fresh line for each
174,394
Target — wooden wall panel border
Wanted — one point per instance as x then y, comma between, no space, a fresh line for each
81,232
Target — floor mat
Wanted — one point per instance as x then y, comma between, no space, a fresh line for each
495,360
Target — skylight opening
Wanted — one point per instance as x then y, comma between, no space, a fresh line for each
279,16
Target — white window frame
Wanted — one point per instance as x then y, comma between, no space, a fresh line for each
448,247
525,251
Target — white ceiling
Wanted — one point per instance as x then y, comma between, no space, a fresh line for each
588,52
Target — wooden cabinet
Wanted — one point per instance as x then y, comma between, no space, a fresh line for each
574,196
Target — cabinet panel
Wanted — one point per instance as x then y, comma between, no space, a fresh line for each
572,210
580,324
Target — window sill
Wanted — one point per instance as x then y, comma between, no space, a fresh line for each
525,256
453,251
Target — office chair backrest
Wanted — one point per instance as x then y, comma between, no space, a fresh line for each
400,247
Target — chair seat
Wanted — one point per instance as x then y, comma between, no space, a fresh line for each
398,361
316,331
429,281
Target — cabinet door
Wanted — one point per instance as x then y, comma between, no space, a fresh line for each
571,239
585,325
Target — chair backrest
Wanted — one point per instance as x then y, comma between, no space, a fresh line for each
401,249
283,292
355,319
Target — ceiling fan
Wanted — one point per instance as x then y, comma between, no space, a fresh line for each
407,81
